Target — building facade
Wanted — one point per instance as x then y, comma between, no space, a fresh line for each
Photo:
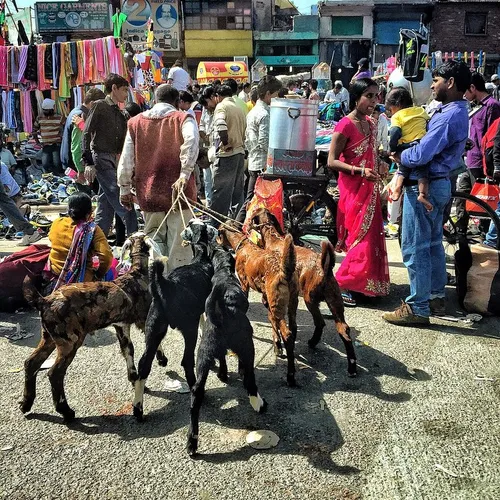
217,30
291,51
465,26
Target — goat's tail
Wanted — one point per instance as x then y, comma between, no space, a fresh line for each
327,259
155,274
289,258
31,294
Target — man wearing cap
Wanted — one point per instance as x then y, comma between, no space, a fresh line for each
495,80
338,94
178,77
49,127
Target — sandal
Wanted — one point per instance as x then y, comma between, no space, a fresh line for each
348,299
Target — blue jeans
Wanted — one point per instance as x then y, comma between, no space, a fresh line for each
492,236
422,245
51,159
209,186
108,198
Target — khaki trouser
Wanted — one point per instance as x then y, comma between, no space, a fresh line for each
169,236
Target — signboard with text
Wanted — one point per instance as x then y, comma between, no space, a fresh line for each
166,25
73,16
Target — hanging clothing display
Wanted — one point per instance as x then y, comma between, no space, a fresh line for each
61,65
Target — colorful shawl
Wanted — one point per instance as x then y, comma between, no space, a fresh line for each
74,267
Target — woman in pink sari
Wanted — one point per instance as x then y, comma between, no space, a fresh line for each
353,154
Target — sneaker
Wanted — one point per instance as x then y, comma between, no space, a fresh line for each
29,239
404,316
438,306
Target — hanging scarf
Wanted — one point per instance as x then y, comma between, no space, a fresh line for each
74,267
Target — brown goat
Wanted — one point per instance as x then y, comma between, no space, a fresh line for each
316,282
73,311
273,275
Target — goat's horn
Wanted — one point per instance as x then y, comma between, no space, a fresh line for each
153,245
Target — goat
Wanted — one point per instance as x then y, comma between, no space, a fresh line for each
316,282
178,301
273,275
226,327
73,311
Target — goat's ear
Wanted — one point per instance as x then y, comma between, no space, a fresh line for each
125,249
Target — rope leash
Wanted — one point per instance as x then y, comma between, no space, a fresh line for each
166,215
210,213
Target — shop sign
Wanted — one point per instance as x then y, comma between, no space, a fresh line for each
73,16
166,25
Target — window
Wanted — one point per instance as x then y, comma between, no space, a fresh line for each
217,14
347,26
476,23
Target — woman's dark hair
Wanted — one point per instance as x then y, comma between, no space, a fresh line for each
477,79
313,84
457,70
399,97
357,89
79,206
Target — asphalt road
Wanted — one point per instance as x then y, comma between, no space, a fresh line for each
418,403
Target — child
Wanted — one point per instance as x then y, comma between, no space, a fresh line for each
408,124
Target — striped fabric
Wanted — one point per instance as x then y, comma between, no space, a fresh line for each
50,129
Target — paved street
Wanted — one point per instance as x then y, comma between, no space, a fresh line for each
419,402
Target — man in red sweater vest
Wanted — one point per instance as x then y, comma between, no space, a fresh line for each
159,154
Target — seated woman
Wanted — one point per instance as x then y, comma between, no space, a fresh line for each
80,250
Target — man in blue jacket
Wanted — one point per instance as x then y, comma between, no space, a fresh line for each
440,149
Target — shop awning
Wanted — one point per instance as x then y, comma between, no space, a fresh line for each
208,71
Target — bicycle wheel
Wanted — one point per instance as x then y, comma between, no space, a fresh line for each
310,215
481,216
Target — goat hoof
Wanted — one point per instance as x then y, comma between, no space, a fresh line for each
138,413
69,415
263,408
223,377
25,405
352,374
312,343
192,447
290,380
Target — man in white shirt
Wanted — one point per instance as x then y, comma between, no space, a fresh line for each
178,77
244,95
339,94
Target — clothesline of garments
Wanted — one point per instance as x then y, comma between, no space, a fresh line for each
60,65
19,108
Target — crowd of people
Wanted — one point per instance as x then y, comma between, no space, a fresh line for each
117,153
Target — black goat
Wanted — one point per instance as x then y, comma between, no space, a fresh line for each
226,327
178,301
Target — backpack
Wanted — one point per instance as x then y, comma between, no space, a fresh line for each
487,146
413,53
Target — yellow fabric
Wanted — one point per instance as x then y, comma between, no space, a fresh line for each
61,236
412,122
250,105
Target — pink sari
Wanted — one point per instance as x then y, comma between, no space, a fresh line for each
359,218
